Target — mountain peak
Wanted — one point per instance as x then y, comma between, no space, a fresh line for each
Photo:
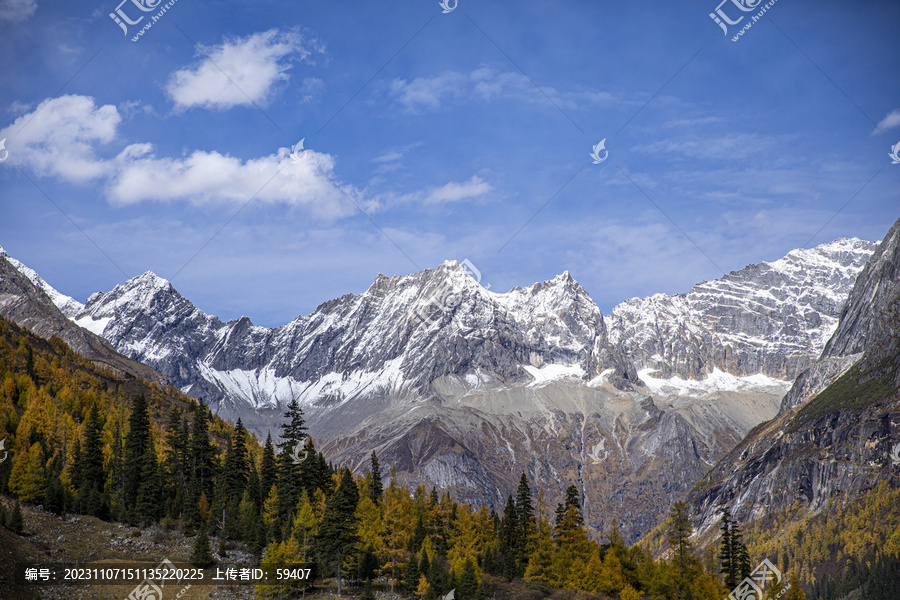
151,278
145,286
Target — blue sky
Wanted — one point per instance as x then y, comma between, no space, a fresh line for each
432,136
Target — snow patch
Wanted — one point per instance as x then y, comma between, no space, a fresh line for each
95,326
262,388
549,373
717,381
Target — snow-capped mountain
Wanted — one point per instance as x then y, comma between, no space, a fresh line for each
411,338
465,388
769,318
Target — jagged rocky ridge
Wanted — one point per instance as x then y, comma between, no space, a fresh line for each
465,388
770,318
838,432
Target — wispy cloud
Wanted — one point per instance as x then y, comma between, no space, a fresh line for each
17,10
487,84
242,70
456,192
891,120
727,147
475,188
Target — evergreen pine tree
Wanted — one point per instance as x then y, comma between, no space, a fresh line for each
419,534
91,476
424,565
201,555
337,532
411,574
176,467
311,477
115,482
137,442
324,471
368,593
147,501
55,499
191,515
236,471
377,486
268,472
16,523
468,587
526,524
290,477
679,533
293,431
203,452
740,557
509,540
368,564
726,558
572,499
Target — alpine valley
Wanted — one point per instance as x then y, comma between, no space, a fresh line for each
464,389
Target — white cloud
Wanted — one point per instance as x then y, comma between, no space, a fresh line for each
58,138
17,10
888,122
61,138
254,65
211,177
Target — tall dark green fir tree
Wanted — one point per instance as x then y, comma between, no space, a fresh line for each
509,541
268,472
237,468
679,534
377,486
727,560
527,524
92,477
203,452
337,532
137,443
291,458
176,470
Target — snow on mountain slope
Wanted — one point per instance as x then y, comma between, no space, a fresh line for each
66,304
769,318
397,338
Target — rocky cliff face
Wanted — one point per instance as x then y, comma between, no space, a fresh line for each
871,317
839,426
464,388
